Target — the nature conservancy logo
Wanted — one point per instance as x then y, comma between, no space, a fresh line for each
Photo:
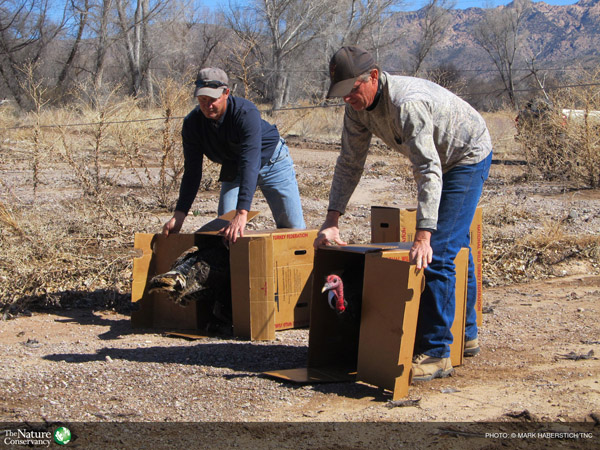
31,438
62,435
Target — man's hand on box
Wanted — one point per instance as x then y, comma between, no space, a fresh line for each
236,227
174,224
421,251
329,234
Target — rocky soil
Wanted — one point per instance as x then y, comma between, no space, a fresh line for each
538,366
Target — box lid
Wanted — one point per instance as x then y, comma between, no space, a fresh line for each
222,221
367,248
313,375
396,208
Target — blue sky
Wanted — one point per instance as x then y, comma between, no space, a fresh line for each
474,3
416,4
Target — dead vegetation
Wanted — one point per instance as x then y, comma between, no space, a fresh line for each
68,247
560,134
78,183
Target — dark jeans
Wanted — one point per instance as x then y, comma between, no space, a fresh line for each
461,191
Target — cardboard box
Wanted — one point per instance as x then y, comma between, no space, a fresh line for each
477,252
460,315
379,350
271,279
390,224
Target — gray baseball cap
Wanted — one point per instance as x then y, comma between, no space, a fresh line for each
211,82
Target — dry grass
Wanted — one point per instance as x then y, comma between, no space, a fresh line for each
72,197
47,262
537,255
566,146
320,124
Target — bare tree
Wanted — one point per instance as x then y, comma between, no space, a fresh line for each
81,10
209,35
25,33
103,41
359,17
302,35
534,72
501,35
359,22
243,65
448,76
248,50
368,23
191,35
134,17
290,25
434,26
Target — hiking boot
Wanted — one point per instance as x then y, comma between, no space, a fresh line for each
426,368
471,347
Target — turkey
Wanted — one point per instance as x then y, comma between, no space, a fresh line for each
344,296
199,274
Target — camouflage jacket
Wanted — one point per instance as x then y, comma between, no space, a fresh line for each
433,127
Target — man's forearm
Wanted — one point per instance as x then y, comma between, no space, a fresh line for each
332,218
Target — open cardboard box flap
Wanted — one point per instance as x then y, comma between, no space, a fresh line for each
222,221
308,375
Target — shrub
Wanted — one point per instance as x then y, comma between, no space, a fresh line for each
560,137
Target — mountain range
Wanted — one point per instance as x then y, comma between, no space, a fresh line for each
559,36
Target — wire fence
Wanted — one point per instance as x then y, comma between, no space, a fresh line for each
290,108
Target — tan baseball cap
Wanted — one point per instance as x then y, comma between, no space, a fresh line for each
211,82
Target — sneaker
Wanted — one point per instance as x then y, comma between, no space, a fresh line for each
471,347
426,368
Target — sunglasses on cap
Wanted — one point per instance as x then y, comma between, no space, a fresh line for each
213,84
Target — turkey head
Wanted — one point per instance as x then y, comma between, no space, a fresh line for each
334,286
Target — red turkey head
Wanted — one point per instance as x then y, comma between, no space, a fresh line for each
335,290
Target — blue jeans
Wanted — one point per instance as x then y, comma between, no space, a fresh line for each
277,182
461,190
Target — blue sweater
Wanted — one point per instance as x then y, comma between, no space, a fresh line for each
240,141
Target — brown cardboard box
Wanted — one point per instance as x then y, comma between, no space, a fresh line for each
390,224
381,352
271,278
458,326
477,251
460,315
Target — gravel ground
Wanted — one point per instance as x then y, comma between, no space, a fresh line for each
539,366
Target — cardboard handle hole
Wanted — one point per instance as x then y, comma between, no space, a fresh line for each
384,225
300,252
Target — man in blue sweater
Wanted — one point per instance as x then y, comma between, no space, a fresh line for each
229,131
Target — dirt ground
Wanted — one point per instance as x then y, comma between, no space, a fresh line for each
539,362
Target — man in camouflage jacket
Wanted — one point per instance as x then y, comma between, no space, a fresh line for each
449,147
